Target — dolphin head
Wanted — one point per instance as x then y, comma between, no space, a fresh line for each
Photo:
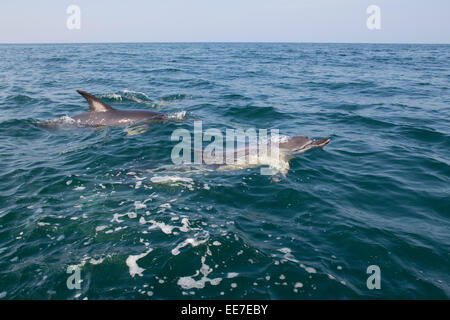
297,145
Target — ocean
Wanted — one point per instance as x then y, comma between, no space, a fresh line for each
103,213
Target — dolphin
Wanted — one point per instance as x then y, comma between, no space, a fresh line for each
102,114
289,146
246,158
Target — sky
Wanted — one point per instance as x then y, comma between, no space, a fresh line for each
401,21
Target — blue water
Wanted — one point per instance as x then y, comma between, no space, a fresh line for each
377,194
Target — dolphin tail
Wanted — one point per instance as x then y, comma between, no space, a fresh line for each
95,104
321,142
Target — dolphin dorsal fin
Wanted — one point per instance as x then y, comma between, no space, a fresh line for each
95,104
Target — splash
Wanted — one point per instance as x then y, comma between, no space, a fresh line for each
60,123
136,130
180,115
127,95
173,181
278,164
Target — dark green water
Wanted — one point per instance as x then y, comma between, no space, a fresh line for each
378,194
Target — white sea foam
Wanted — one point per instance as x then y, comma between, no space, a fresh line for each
116,217
190,283
96,261
132,215
232,275
170,179
139,205
194,242
308,269
185,225
131,262
135,96
113,96
167,229
288,256
63,120
165,205
180,115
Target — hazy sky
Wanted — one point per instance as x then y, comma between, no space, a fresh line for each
415,21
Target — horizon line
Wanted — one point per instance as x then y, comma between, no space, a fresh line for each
231,42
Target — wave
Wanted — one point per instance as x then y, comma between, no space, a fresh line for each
176,96
20,98
126,95
253,112
57,59
234,96
142,98
341,85
426,135
362,120
159,70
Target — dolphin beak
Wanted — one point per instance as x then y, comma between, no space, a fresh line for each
321,143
